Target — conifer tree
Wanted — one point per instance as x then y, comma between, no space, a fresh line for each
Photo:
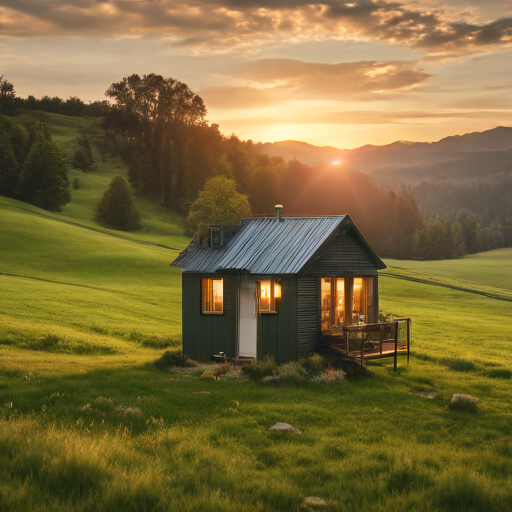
9,168
44,177
117,207
82,158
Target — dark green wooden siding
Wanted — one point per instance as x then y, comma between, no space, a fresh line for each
278,333
342,255
206,335
307,314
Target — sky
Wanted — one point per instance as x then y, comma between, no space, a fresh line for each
331,73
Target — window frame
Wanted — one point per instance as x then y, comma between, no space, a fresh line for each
209,278
218,232
274,310
348,300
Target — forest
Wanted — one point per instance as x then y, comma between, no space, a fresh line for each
158,125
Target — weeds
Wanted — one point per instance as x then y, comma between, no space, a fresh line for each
258,369
153,341
52,343
170,359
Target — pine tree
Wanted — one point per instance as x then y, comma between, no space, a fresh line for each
82,158
44,177
9,168
19,140
117,207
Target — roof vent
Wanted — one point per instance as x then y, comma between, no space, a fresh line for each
278,208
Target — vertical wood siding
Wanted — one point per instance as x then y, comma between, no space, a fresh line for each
342,255
278,333
206,335
307,314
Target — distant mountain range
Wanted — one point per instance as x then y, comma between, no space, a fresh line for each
481,156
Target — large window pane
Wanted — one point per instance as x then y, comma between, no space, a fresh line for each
212,295
340,302
326,291
265,296
362,303
358,301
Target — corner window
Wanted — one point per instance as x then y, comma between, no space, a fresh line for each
212,299
345,300
269,292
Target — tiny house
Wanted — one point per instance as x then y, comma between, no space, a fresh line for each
285,286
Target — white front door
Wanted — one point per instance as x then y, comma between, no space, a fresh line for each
248,320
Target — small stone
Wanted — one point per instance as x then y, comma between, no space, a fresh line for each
425,394
315,501
284,427
464,398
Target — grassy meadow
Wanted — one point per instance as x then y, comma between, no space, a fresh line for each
88,423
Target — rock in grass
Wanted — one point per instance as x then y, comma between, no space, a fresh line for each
425,394
284,427
464,402
315,501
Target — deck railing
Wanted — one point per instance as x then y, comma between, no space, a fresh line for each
372,341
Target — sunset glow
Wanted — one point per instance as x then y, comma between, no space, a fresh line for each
327,73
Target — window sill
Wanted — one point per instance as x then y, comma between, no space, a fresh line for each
268,312
212,312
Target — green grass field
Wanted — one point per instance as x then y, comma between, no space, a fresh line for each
87,423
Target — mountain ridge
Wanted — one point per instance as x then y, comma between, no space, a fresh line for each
402,152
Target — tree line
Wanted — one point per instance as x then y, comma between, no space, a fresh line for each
73,106
174,156
490,204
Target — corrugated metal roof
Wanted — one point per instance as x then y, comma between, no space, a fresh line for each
262,246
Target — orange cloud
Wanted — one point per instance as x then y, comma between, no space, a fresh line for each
338,80
221,25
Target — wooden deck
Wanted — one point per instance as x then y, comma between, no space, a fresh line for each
361,343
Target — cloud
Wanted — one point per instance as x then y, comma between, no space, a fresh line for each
334,80
242,97
222,25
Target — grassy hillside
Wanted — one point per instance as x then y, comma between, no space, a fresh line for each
487,269
159,224
87,423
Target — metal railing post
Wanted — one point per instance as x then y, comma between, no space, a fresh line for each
396,346
408,339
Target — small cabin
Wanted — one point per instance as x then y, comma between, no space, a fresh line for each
285,286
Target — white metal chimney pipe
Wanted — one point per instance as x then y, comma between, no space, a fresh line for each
278,208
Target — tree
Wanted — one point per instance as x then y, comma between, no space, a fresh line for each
7,97
117,207
218,203
9,168
154,116
458,244
44,177
82,157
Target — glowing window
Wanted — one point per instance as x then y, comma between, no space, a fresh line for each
270,296
326,310
362,300
212,295
340,302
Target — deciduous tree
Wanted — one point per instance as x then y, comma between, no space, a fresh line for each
153,115
218,203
